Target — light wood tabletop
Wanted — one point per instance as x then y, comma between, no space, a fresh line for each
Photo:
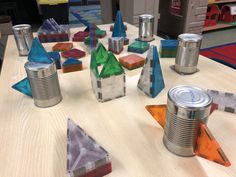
33,140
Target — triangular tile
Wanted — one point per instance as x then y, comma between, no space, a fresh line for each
158,112
38,54
23,86
84,156
119,29
101,54
207,147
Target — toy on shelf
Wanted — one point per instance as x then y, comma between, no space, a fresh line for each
132,61
116,44
62,46
56,58
168,48
119,29
228,13
23,86
223,100
212,15
107,75
38,54
138,47
85,158
151,79
50,31
71,65
73,53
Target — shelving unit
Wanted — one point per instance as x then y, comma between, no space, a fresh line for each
219,25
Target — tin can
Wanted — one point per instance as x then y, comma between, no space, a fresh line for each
44,83
187,107
146,27
187,53
23,36
116,44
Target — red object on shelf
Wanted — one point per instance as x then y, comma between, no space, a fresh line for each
212,15
228,13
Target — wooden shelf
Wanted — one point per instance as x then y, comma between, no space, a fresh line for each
218,26
220,2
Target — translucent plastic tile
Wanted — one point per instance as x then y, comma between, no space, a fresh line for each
73,53
119,29
138,47
132,61
23,86
38,54
101,54
71,65
84,156
168,48
208,148
56,58
151,79
158,112
62,46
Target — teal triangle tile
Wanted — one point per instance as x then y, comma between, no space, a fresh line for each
119,28
71,61
23,86
38,54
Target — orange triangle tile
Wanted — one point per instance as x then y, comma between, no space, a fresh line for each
208,148
158,112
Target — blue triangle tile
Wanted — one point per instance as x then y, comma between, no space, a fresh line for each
23,86
119,28
37,53
157,80
71,61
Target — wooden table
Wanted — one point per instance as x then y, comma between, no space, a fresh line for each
33,140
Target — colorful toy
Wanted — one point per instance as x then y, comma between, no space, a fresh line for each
71,65
112,27
80,36
38,54
212,15
62,46
116,45
73,53
56,58
91,41
151,79
50,31
119,29
138,47
85,158
228,13
168,48
23,86
132,61
107,75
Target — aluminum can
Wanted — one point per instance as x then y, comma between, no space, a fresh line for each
187,107
44,83
188,53
23,37
146,27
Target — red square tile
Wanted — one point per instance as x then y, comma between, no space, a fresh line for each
73,53
132,61
63,46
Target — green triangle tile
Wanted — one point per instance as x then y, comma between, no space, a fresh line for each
111,67
101,54
93,63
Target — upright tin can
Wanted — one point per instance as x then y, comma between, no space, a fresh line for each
23,37
187,107
146,27
44,83
187,53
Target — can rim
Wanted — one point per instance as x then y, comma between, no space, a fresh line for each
21,27
190,37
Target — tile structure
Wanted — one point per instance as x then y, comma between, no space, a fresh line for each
138,47
71,65
119,28
55,56
85,158
223,100
132,61
116,44
80,36
37,53
91,41
73,53
151,79
62,46
50,31
107,75
112,27
168,48
23,86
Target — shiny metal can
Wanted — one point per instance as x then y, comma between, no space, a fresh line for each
44,83
23,37
188,53
146,27
187,107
